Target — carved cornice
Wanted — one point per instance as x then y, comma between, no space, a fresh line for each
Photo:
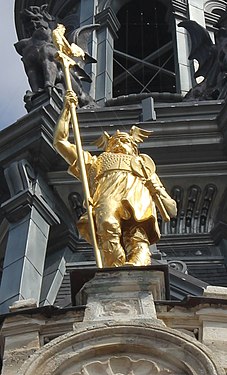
180,9
31,136
108,18
194,207
20,205
211,20
211,5
114,4
206,169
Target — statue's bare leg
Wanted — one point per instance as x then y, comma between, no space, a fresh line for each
136,246
109,234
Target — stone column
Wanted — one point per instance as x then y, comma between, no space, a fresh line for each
87,12
183,65
196,11
105,45
29,217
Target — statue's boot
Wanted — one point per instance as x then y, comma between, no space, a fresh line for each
113,253
139,255
109,233
137,248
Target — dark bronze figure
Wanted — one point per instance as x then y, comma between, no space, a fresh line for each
38,56
212,59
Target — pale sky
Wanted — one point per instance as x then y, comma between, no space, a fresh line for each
12,76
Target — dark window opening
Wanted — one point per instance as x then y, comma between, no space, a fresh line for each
219,12
144,35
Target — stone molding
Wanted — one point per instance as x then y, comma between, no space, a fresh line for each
113,364
211,5
165,349
211,19
114,4
18,207
180,9
108,18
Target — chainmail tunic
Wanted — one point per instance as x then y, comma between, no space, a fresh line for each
110,177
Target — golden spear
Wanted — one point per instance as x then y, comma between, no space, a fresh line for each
65,50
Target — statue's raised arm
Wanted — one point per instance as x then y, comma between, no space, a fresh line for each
61,134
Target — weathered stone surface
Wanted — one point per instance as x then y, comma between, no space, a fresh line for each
120,334
158,348
122,295
215,292
24,332
23,304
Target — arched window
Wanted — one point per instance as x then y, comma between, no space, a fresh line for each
143,54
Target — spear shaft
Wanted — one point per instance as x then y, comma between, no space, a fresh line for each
67,62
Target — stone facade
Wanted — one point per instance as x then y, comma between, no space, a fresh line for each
120,331
125,321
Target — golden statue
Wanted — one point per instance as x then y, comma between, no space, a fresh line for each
121,188
124,191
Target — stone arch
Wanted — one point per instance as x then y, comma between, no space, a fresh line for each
211,6
89,350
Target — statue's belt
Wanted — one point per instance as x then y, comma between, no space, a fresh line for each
107,162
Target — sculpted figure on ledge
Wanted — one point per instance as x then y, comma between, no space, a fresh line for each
124,189
38,56
212,60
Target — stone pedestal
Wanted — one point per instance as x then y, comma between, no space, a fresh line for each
123,294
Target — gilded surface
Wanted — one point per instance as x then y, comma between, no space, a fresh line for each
61,43
125,191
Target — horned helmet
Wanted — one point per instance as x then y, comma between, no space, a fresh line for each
135,136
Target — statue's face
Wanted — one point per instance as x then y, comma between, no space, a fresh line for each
121,145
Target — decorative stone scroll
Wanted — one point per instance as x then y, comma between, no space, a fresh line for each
123,366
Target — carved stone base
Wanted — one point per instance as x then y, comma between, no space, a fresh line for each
123,294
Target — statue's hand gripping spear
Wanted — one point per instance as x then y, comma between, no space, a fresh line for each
65,51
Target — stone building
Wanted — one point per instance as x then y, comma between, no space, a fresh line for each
59,313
